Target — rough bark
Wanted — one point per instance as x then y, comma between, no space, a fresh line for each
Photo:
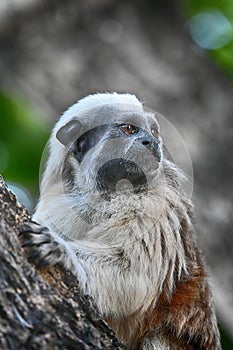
42,309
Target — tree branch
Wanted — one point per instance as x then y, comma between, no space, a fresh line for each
42,309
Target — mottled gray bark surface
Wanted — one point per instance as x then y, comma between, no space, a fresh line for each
55,52
41,309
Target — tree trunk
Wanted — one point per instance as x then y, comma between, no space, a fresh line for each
42,309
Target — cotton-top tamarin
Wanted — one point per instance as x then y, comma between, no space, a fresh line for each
117,217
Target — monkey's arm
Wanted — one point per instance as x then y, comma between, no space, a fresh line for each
93,263
48,248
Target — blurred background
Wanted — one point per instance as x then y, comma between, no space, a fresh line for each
176,56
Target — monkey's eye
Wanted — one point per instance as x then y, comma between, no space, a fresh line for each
155,132
129,129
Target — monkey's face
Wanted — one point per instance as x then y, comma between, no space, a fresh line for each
119,153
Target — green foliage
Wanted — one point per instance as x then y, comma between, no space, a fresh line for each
222,12
226,341
23,136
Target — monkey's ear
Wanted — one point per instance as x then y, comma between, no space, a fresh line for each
70,132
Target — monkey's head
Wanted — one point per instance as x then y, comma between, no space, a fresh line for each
107,143
106,160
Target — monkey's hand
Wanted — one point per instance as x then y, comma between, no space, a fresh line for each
44,247
40,245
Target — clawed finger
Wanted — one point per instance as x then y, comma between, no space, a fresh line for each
32,227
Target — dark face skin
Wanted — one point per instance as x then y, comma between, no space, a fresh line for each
117,169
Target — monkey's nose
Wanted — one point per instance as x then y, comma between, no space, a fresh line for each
146,142
152,144
149,142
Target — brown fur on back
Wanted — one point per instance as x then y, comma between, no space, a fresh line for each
183,319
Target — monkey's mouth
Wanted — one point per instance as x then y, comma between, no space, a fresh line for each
119,175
